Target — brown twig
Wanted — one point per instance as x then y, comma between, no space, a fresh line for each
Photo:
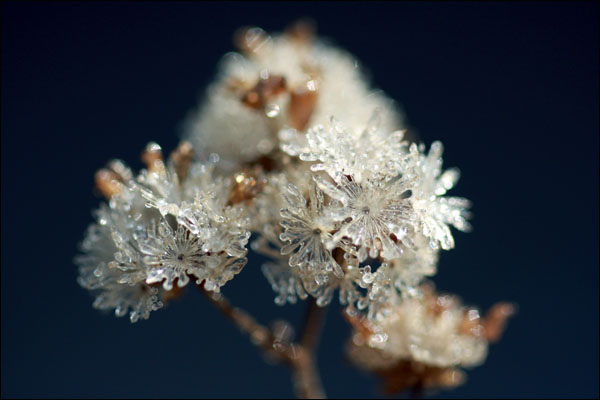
308,376
313,325
300,357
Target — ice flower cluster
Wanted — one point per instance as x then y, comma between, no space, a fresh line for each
170,223
292,146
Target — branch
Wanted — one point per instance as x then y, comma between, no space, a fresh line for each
308,379
313,325
299,357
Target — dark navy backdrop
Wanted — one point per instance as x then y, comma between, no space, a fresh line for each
510,88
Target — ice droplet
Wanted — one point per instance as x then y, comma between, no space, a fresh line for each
272,110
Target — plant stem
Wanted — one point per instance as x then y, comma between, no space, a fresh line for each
300,357
313,325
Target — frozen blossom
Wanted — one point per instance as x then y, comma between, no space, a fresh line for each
292,281
430,333
426,340
306,228
171,254
375,215
110,266
436,211
338,150
145,238
285,282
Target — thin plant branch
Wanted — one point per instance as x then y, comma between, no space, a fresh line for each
300,357
313,325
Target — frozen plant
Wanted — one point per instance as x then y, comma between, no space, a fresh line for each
292,146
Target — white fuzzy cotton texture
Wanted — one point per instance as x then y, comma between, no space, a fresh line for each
413,332
238,133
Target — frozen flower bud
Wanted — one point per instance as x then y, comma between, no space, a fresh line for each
152,157
108,183
182,158
437,212
422,341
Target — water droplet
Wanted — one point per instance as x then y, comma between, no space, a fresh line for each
272,110
214,158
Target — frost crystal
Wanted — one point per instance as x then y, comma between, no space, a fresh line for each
436,211
111,267
170,222
376,215
370,153
306,228
171,254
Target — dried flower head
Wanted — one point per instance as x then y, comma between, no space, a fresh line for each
278,82
425,340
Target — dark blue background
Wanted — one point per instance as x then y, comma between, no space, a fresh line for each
510,88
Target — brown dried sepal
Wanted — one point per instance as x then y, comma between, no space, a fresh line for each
108,183
182,158
248,184
237,85
495,320
153,158
436,304
264,90
303,101
302,31
121,170
491,326
412,375
471,324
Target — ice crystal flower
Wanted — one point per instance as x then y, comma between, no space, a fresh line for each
292,282
436,211
313,269
111,266
138,300
376,215
363,288
306,228
168,223
171,186
171,254
199,200
338,150
285,282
